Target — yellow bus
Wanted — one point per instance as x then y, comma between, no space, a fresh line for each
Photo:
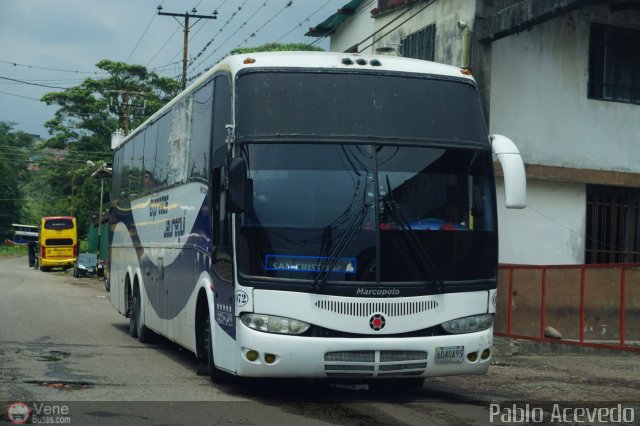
58,242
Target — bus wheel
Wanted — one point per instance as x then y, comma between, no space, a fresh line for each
133,301
135,321
215,375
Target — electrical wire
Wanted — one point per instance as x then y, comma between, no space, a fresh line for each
20,96
141,37
33,84
163,46
206,46
15,64
304,20
289,3
394,28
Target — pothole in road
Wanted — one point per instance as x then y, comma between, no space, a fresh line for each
53,356
62,385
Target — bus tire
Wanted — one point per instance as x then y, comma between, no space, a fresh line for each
215,375
133,328
136,322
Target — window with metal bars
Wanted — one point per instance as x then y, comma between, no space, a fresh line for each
613,225
614,64
421,44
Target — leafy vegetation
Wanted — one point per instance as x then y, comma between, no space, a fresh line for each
15,151
52,176
276,47
58,178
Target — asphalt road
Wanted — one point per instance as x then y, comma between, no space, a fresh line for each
63,348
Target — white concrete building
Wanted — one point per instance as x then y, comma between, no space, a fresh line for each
559,77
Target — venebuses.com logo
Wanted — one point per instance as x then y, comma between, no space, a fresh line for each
20,413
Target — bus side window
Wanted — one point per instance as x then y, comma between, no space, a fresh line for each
137,153
127,163
116,182
149,163
221,226
161,167
199,155
222,259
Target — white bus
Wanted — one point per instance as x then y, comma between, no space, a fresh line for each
317,215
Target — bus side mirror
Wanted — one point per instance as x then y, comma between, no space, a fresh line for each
237,185
515,180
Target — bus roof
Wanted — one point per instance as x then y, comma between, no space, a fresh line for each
335,60
312,60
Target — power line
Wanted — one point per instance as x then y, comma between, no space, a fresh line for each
394,28
33,84
141,37
163,46
49,80
206,46
16,64
203,24
19,96
289,3
244,24
185,28
304,20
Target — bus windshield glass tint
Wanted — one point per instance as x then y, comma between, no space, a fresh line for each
335,105
363,213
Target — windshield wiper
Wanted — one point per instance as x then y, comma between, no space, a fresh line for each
327,266
423,256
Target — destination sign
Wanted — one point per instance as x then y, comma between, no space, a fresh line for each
273,262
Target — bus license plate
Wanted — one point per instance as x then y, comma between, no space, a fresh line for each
449,354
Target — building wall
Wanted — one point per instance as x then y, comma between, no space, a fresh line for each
549,231
536,86
355,29
444,13
539,97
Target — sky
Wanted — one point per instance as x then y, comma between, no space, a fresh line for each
57,43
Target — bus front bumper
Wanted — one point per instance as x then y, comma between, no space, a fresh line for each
362,358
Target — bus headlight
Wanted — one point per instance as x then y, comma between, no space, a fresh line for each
468,324
273,324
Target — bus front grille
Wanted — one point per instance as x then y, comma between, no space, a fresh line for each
375,363
388,308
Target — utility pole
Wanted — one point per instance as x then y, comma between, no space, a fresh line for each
125,101
185,27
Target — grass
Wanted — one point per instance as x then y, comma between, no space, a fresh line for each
23,250
13,251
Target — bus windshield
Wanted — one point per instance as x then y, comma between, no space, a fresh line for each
371,213
376,106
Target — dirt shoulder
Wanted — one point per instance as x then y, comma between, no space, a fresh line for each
525,372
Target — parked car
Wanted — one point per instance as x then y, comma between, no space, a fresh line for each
85,265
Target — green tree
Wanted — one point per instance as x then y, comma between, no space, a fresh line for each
15,153
276,47
267,47
82,126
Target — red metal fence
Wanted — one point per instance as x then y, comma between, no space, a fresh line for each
590,305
